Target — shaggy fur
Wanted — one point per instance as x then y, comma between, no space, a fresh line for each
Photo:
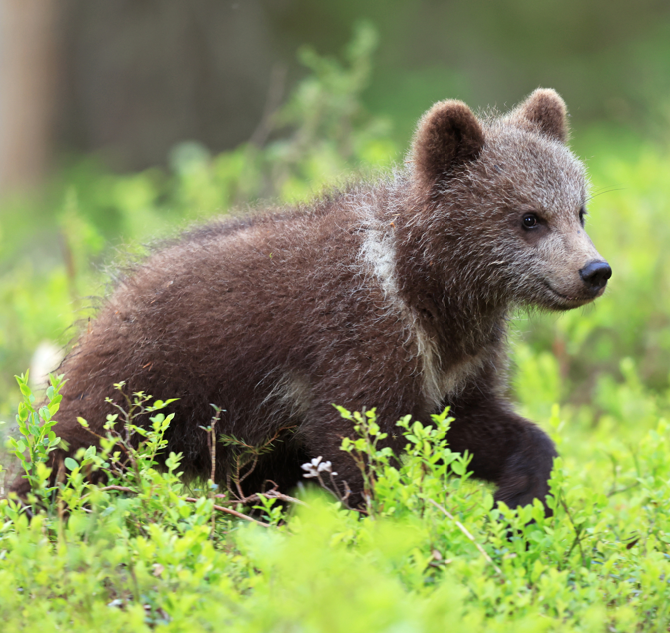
394,295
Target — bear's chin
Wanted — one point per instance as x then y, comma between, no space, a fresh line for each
558,302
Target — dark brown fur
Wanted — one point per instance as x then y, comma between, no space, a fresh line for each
393,295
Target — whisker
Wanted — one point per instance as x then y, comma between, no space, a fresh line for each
600,193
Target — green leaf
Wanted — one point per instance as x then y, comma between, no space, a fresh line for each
25,389
55,400
70,463
23,412
458,467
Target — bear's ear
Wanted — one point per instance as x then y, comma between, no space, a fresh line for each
447,135
544,111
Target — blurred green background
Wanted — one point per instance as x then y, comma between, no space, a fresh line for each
124,122
126,80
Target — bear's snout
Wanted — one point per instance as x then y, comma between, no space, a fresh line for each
595,275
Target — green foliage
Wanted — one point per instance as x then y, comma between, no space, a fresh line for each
429,552
324,111
35,425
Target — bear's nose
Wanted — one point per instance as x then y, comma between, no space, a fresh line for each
595,275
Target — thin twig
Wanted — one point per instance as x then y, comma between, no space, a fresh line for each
611,493
578,533
267,495
241,477
335,491
247,459
347,491
119,488
235,513
211,436
465,531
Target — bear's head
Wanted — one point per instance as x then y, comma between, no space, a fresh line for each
505,201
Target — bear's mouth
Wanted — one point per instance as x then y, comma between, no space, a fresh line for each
567,299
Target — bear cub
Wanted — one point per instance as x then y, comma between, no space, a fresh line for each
393,294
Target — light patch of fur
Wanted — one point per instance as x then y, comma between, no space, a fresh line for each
292,394
378,255
438,383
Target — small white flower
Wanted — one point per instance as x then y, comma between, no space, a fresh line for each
316,466
312,467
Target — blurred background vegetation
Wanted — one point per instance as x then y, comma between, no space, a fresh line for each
126,80
122,122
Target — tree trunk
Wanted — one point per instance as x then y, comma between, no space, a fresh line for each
28,67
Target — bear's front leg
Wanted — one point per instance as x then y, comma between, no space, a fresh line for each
507,449
322,436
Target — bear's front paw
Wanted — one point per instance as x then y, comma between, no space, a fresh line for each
526,473
520,490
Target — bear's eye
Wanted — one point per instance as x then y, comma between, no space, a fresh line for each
582,215
529,221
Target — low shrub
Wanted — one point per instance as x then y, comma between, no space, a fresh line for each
429,551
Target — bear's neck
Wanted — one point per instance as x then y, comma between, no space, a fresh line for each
441,285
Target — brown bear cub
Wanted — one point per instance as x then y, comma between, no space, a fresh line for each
392,295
